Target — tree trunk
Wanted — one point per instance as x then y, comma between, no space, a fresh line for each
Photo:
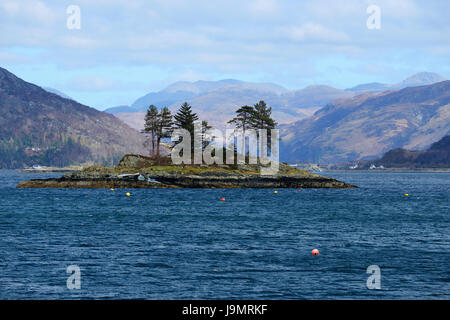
153,144
243,144
157,146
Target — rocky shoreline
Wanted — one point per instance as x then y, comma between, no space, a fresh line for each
132,173
186,182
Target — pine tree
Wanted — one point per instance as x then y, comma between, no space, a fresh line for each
205,137
243,121
165,124
151,125
243,117
262,119
185,118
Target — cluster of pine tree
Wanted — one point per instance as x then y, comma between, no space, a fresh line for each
258,116
160,124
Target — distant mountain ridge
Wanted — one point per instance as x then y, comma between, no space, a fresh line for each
367,125
39,127
216,101
418,79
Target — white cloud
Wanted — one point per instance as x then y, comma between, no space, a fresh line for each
91,83
400,9
316,32
260,39
335,10
263,8
11,8
29,10
80,42
189,75
7,57
163,39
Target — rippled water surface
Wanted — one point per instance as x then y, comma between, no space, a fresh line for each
187,244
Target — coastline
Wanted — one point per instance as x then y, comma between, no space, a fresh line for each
187,181
390,170
135,171
44,169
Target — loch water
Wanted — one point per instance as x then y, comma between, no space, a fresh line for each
187,244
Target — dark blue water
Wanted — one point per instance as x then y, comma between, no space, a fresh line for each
186,244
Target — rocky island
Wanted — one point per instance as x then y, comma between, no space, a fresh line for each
135,171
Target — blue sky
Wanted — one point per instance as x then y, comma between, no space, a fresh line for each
127,48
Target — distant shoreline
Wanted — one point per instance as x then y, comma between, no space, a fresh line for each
390,170
74,169
50,170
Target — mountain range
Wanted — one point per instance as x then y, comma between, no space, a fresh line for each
419,79
216,101
323,124
368,125
40,127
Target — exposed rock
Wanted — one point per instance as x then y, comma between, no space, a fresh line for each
138,172
136,161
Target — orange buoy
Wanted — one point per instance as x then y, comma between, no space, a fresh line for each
315,252
222,199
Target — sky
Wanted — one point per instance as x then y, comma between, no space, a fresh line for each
119,50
